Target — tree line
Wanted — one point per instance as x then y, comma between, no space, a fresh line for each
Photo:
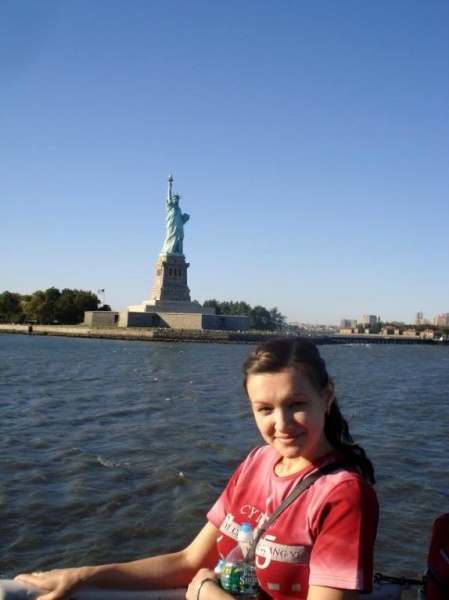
260,318
48,307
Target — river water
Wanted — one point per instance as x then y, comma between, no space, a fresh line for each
114,450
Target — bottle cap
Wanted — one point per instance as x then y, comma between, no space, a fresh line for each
246,533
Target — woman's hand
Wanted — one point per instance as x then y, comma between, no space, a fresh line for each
197,581
58,582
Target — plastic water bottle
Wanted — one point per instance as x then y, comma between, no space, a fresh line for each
219,567
238,577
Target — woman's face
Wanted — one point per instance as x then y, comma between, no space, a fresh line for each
290,413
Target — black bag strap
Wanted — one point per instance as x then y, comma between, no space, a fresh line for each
299,489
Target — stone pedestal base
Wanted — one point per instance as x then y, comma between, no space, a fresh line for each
170,296
170,307
162,306
170,283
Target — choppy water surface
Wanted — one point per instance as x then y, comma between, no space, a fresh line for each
113,450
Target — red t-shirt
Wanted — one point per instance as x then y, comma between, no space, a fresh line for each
326,537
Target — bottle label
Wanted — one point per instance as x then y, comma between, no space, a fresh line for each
239,579
230,577
249,586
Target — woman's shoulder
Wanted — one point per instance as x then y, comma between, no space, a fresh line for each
259,462
261,456
264,452
346,485
345,473
336,462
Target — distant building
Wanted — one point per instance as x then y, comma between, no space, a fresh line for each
348,323
430,333
369,320
347,330
410,333
391,330
419,317
442,320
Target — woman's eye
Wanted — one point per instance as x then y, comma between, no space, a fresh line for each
297,404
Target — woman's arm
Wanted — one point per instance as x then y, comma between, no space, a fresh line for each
166,571
204,586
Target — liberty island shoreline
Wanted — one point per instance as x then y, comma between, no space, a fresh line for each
205,336
170,315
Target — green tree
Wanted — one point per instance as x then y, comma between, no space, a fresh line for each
85,301
33,308
65,310
11,308
48,309
278,321
214,304
104,308
228,307
66,307
260,319
242,308
72,304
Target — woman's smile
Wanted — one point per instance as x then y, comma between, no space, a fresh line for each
288,439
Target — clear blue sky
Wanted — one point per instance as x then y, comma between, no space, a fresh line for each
308,139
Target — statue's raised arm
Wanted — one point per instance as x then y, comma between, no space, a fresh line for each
170,183
174,219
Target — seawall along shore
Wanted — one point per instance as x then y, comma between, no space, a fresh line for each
135,333
205,336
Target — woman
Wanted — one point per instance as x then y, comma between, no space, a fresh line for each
320,547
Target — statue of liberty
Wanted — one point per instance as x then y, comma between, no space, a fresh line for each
174,220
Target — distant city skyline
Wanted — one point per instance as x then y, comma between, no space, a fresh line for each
309,142
441,319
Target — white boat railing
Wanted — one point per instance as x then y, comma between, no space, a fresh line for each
15,590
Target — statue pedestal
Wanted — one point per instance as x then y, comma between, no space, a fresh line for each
170,293
162,306
170,283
